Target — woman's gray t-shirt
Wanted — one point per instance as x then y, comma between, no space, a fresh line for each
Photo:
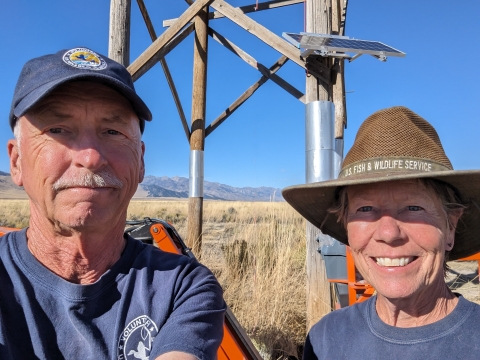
356,332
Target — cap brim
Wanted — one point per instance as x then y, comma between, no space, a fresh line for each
313,200
36,95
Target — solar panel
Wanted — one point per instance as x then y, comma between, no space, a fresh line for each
331,45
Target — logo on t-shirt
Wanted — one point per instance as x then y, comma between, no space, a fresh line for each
136,339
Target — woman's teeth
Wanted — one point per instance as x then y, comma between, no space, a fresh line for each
394,262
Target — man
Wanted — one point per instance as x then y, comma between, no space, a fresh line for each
73,286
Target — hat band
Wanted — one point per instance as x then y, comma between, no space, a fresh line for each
398,164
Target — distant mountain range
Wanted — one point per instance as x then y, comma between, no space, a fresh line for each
166,187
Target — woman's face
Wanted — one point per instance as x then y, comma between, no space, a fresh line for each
398,233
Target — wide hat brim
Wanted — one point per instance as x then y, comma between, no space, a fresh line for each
313,200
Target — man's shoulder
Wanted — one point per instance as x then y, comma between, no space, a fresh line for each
151,259
7,238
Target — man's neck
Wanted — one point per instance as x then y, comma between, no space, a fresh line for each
80,257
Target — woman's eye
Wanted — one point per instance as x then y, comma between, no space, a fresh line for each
365,209
414,208
55,130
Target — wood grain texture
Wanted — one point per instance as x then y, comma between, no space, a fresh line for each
244,97
119,31
197,135
318,288
254,28
247,9
153,53
166,70
255,64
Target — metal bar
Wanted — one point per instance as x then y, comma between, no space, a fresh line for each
247,9
244,97
153,53
196,173
166,70
255,64
319,141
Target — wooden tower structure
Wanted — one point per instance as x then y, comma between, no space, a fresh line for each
324,81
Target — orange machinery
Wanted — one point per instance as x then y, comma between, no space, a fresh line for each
358,291
236,345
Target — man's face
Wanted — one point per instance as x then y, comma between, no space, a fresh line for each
79,157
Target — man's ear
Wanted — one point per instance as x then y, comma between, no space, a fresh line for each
15,166
142,166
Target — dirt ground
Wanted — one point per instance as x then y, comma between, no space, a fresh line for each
463,278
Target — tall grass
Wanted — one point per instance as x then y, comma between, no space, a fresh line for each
14,213
264,278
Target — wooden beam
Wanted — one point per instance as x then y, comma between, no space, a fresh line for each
197,137
119,31
244,97
318,289
338,89
247,9
153,53
259,31
166,70
255,64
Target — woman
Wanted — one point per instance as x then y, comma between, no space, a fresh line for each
404,212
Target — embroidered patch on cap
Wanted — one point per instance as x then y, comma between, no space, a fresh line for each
83,58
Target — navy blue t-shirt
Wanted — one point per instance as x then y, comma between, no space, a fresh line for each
149,303
357,332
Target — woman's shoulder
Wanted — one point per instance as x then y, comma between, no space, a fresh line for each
341,319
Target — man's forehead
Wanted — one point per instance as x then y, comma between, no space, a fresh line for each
80,93
83,88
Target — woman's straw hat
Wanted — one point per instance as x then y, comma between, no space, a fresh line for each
393,144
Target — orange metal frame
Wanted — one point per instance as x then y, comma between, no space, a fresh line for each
474,257
358,291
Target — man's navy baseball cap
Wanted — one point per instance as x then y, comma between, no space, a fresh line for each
40,76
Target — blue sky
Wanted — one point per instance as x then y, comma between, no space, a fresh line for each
262,144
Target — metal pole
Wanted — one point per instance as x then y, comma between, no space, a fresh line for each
119,31
197,137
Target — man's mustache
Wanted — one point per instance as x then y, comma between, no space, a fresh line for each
99,179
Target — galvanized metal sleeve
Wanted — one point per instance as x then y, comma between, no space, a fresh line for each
319,141
196,173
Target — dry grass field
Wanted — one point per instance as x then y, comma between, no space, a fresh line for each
257,251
